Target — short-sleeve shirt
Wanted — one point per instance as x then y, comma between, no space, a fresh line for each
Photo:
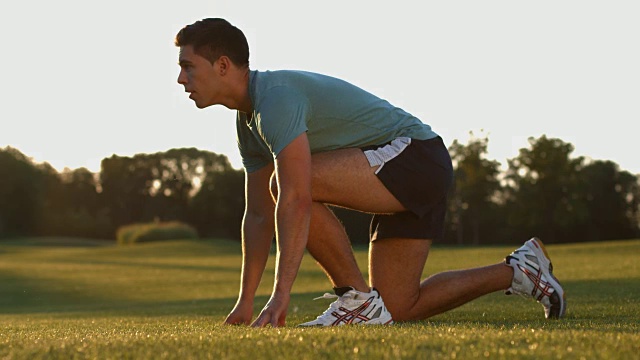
334,113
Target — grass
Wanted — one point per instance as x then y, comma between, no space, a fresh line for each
70,299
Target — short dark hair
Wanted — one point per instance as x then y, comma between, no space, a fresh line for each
215,37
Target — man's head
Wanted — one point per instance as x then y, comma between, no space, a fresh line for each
214,59
212,38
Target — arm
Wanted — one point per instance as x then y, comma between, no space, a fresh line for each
257,233
293,213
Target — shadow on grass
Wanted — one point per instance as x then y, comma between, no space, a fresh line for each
21,295
600,304
172,248
59,241
163,247
607,300
152,265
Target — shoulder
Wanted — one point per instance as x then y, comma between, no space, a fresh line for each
302,81
279,89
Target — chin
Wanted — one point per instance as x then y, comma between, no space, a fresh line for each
200,105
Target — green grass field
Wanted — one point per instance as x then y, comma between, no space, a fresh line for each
67,299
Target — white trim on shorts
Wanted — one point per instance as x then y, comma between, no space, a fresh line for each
382,155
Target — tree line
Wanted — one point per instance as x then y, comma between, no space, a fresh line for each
197,187
543,192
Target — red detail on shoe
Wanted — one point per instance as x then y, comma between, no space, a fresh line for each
350,315
538,283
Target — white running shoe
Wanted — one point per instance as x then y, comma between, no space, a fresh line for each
533,278
353,307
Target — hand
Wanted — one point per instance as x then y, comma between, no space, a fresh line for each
275,312
241,314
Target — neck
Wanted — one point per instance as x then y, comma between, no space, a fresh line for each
245,104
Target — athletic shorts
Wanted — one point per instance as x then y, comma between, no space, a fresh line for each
419,174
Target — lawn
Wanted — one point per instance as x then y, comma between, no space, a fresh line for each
71,299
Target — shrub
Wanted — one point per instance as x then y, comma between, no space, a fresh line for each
125,233
154,231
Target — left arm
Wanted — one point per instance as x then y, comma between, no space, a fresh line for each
293,213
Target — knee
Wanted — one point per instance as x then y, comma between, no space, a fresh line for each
401,308
402,313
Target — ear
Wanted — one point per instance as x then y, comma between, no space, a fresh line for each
224,64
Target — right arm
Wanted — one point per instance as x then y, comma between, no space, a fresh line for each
257,235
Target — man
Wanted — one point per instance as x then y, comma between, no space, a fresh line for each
308,140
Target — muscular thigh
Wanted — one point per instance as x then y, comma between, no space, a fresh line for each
345,178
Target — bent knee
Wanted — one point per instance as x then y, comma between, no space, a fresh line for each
402,309
403,314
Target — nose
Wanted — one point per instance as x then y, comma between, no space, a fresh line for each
182,77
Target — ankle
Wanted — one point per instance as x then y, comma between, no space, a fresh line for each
363,289
509,273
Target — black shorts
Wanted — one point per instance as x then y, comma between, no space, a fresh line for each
420,176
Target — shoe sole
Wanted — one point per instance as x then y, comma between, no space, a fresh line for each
388,321
545,265
383,320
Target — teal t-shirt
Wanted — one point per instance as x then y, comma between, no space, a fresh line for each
334,113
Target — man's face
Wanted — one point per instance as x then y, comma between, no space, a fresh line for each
199,78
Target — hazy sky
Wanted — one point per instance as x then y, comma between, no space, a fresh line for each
82,80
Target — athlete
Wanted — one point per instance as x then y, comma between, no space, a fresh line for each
309,140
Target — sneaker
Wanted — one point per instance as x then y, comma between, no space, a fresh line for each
353,307
533,278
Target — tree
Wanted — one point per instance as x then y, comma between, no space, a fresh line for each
53,203
217,208
612,197
180,174
125,185
172,185
472,209
20,193
542,191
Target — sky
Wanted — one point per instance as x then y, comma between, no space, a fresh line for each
82,80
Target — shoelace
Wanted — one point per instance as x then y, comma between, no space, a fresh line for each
335,306
327,296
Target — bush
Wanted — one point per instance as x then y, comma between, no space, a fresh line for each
125,233
155,231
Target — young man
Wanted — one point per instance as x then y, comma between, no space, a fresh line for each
308,140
